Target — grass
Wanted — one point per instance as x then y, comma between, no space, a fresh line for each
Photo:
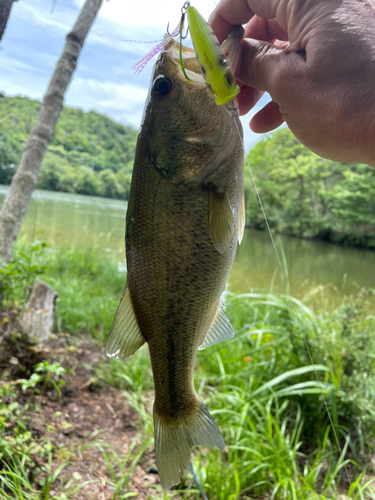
25,462
89,284
293,391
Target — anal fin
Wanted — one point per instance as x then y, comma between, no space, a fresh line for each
125,337
220,328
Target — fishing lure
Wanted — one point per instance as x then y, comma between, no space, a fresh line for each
138,67
216,71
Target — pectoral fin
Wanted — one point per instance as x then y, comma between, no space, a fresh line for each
220,328
241,219
125,337
220,220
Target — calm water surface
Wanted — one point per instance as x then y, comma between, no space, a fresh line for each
321,273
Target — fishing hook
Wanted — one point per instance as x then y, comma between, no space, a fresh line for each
184,9
181,24
171,35
182,37
183,13
186,34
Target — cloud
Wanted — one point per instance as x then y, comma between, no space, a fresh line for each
104,79
122,102
147,13
39,13
22,78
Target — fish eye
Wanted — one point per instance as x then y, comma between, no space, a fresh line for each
229,79
222,62
162,85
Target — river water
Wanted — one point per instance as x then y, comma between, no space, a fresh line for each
320,273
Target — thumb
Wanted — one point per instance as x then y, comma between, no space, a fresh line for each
266,67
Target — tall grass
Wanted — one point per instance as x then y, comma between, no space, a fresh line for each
296,407
89,284
89,287
293,391
293,395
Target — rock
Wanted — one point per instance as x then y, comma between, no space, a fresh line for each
37,321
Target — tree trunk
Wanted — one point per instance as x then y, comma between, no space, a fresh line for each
5,8
24,181
37,321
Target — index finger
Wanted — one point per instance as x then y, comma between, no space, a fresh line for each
229,13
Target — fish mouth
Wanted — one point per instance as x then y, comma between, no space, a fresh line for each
190,62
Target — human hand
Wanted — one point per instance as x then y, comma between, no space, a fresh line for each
317,61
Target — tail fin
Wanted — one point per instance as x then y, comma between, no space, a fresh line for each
175,438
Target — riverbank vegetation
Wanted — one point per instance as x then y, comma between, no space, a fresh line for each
293,393
303,194
89,153
310,197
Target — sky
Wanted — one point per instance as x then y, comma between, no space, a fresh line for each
104,79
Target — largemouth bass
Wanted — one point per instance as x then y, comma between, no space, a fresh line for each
185,215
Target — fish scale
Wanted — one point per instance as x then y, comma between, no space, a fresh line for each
182,226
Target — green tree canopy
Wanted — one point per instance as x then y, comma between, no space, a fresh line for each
307,196
83,145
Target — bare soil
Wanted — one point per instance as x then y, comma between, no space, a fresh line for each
87,418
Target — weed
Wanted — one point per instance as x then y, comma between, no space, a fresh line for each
17,277
293,391
45,374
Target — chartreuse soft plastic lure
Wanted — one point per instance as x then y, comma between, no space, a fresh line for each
215,68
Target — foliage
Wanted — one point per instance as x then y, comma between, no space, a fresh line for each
272,397
45,374
25,461
127,376
120,469
293,391
303,194
17,277
89,153
307,196
89,288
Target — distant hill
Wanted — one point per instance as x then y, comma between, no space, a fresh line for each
89,153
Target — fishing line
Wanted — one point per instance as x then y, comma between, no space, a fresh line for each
142,41
286,280
197,483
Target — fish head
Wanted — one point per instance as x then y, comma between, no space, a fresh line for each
185,132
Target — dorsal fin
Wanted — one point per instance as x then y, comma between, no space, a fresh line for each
241,219
220,220
125,337
220,328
